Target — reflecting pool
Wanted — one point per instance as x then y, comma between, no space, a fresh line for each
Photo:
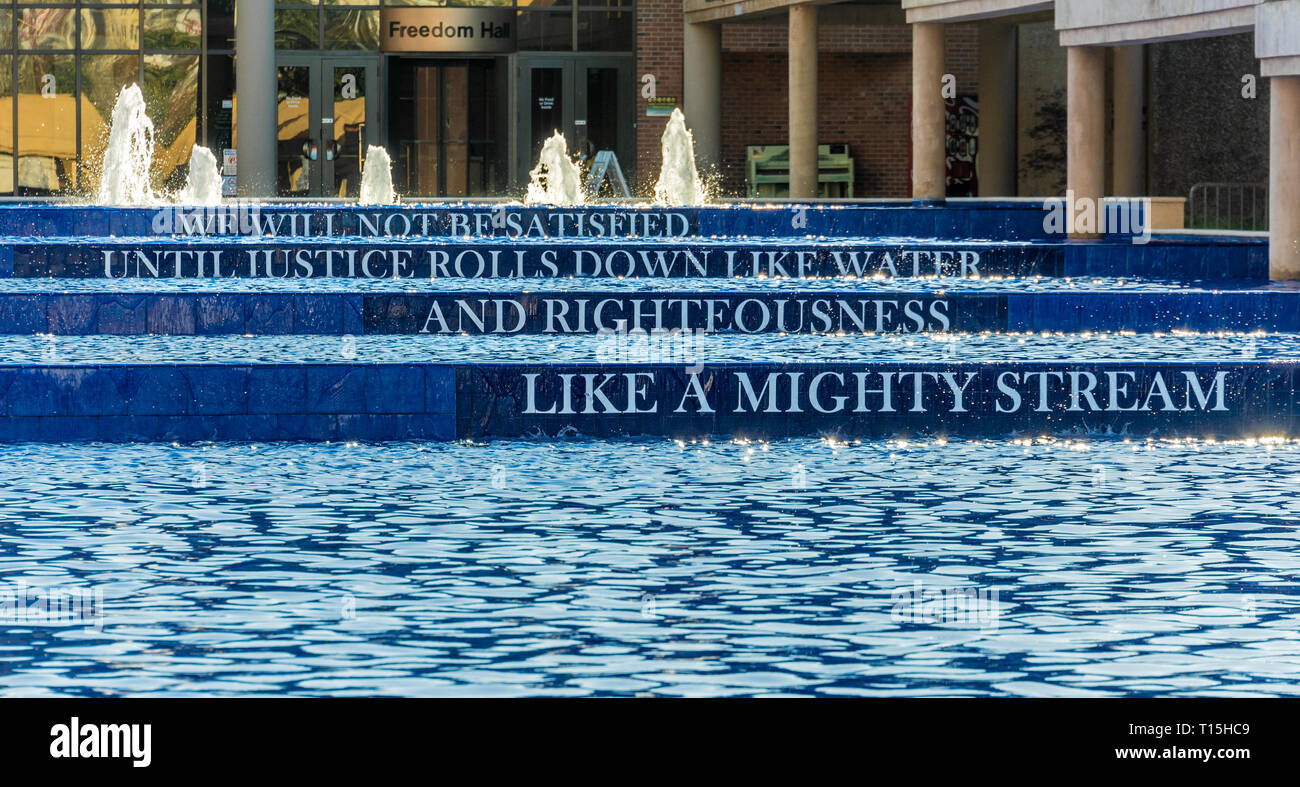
1027,568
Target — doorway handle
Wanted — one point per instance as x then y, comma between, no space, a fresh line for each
331,148
310,150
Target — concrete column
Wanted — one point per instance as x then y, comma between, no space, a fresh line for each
1129,166
995,160
702,90
803,101
1086,137
255,88
929,151
1284,178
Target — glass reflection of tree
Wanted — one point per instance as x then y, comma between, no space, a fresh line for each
171,85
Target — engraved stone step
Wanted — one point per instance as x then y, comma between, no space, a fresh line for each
356,401
512,312
986,219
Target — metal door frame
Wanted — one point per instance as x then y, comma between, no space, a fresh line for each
313,66
524,66
320,95
325,83
574,84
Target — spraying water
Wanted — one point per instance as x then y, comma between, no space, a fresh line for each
124,175
203,183
555,179
679,182
377,178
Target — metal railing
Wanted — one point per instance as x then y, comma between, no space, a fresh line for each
1228,206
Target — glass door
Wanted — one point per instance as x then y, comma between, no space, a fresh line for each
349,96
297,157
324,108
444,126
605,94
589,100
546,105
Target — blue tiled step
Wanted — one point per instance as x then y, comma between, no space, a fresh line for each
1183,258
992,220
1174,257
423,259
558,312
140,402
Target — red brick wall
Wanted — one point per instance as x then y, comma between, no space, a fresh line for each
864,97
862,100
658,52
864,92
761,36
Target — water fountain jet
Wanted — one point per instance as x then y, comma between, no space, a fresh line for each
555,180
124,174
203,183
377,178
679,182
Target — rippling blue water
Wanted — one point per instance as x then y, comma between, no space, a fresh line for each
595,284
536,348
575,568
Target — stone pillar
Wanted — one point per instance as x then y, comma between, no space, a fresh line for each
1284,178
803,101
255,88
929,151
1129,167
995,159
1086,137
702,89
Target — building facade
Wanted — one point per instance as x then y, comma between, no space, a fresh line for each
465,116
459,118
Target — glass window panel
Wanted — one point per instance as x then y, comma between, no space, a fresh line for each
297,2
294,168
171,91
602,109
172,28
545,30
455,131
47,123
220,117
110,28
349,115
605,31
547,110
540,4
47,28
6,29
372,3
6,125
461,3
221,24
351,28
102,78
296,28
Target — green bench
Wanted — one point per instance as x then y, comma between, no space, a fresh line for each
767,171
